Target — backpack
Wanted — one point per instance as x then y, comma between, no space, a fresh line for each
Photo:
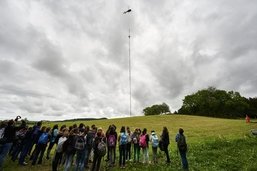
80,143
59,147
54,135
142,141
111,140
182,146
68,145
90,140
135,140
123,139
129,138
101,148
43,139
36,133
155,141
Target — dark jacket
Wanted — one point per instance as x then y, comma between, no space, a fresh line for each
165,139
9,134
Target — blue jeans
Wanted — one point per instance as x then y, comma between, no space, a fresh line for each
68,161
154,150
184,159
24,151
112,155
122,149
136,152
80,160
4,149
87,153
145,155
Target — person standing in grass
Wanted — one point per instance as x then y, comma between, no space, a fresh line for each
155,142
128,149
41,145
99,152
69,148
59,150
165,142
182,147
111,143
54,134
7,140
144,144
123,139
135,141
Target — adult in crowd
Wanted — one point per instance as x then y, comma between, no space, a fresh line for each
182,147
165,142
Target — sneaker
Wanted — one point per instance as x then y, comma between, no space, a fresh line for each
24,164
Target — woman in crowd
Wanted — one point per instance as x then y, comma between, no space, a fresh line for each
166,141
182,147
135,140
123,139
144,144
54,134
98,153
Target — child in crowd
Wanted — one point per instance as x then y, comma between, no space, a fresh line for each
144,144
59,149
123,139
155,143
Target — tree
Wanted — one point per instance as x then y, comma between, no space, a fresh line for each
214,102
156,109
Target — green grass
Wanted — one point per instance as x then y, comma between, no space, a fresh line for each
214,144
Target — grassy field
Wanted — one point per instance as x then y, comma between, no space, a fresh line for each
214,144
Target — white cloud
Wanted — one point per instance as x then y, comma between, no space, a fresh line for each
69,59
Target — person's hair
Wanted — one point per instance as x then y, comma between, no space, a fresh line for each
180,130
70,128
165,130
65,129
112,130
75,130
43,128
39,123
74,126
93,126
144,131
86,129
48,129
10,122
54,127
122,129
114,126
81,125
62,127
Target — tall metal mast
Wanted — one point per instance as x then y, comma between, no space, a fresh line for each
129,77
128,11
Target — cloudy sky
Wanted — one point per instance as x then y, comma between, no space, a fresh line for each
68,59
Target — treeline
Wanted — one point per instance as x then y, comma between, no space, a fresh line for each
219,103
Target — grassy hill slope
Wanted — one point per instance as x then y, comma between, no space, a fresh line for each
214,144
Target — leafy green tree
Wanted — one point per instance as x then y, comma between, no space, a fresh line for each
216,103
156,109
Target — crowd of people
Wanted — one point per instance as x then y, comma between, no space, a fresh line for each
80,145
